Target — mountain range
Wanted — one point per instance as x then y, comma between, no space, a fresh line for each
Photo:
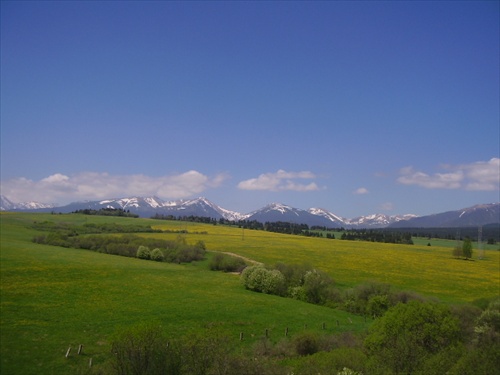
149,206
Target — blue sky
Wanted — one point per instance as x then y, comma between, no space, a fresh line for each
355,107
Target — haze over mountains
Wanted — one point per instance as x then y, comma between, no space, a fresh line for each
149,206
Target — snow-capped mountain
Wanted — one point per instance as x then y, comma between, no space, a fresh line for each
329,216
150,206
480,214
142,206
7,205
377,220
200,207
281,212
322,217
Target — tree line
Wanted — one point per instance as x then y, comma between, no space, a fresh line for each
490,233
284,227
107,211
373,235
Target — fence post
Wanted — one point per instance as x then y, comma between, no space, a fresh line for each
286,331
69,351
80,347
267,333
90,362
241,336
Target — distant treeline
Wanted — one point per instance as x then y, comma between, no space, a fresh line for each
301,229
374,235
277,227
490,233
106,212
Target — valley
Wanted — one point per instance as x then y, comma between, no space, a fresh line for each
54,297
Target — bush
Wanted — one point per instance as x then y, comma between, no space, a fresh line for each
226,263
407,334
143,252
316,286
157,255
352,361
260,279
377,305
144,350
306,344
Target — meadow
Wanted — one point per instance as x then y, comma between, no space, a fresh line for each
53,298
429,270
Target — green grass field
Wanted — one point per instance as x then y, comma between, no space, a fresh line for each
430,270
53,298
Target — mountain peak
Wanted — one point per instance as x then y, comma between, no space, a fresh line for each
480,214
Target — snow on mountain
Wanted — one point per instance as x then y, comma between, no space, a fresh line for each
281,212
6,205
481,214
377,220
328,215
33,205
149,206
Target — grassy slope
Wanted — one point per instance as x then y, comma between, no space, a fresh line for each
52,298
430,270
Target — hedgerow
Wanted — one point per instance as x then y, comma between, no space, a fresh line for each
129,245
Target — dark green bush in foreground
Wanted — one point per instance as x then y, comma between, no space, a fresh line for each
412,338
226,263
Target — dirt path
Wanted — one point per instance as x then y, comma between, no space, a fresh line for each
240,256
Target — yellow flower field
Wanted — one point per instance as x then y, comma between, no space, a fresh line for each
431,271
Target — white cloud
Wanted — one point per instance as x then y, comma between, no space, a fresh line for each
361,191
59,188
280,181
483,175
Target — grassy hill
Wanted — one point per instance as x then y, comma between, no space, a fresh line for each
53,298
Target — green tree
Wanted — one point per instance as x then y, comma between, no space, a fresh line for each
260,279
408,334
467,248
316,286
157,255
377,305
143,252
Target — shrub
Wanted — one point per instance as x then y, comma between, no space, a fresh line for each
226,263
306,344
316,286
294,273
260,279
407,334
333,362
377,305
143,252
157,255
297,292
144,350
